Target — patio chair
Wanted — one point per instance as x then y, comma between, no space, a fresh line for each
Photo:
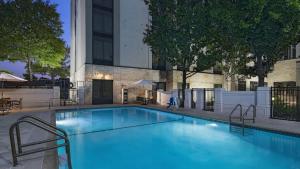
4,106
16,103
172,102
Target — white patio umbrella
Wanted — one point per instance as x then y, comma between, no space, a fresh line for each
6,77
142,83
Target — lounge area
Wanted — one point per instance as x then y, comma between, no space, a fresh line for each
8,104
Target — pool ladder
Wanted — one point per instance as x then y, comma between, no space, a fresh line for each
242,116
17,151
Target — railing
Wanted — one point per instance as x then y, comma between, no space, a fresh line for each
245,115
231,114
285,103
242,118
39,123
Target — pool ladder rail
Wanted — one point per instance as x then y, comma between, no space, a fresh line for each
17,151
242,116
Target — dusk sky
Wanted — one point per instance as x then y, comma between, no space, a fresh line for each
64,9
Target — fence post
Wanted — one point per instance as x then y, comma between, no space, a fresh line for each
188,100
263,100
56,96
218,104
158,97
199,99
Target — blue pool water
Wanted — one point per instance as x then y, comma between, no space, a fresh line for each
138,138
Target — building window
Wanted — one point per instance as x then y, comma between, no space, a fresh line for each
290,52
254,85
285,84
158,63
241,85
218,86
102,51
159,86
103,32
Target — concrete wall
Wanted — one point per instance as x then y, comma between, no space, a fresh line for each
80,39
133,20
121,76
34,97
284,71
163,98
130,20
225,101
199,80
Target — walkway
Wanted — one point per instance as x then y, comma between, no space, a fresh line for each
29,134
281,126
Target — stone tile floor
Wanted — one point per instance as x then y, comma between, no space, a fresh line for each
41,160
29,134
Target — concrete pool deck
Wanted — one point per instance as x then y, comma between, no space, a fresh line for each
43,160
48,160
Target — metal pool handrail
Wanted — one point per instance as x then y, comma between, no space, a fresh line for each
245,115
39,123
241,111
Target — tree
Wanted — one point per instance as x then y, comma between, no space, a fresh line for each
264,28
30,33
5,71
179,33
62,71
228,44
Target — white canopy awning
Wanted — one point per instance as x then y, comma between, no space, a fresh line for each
6,77
10,78
142,84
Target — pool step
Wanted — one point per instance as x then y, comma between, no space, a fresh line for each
239,130
242,118
237,127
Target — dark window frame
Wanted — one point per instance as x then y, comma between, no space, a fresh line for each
179,85
102,35
242,85
157,86
160,64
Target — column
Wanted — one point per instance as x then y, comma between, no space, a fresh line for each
218,104
199,99
263,102
188,99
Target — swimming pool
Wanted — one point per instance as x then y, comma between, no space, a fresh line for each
139,138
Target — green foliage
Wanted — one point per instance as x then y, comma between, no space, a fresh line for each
62,71
256,31
284,110
30,32
180,33
5,71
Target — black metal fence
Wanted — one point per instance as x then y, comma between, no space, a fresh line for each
285,103
209,99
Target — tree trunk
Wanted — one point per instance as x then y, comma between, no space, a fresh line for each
260,71
183,87
29,69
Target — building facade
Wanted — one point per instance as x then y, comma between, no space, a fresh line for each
108,54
